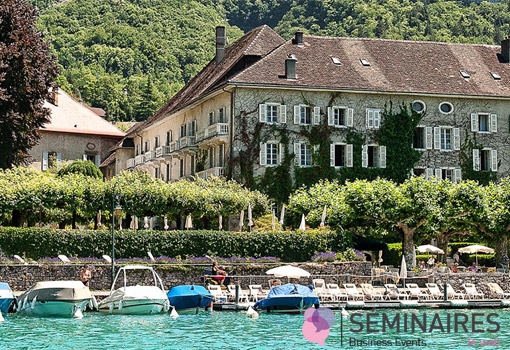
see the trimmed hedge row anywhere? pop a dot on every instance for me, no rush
(36, 243)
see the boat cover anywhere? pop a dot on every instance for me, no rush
(6, 297)
(58, 291)
(189, 296)
(289, 295)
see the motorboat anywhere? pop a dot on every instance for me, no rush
(288, 298)
(128, 297)
(7, 299)
(190, 298)
(55, 299)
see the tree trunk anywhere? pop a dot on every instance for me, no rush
(408, 245)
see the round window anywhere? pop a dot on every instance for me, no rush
(446, 107)
(418, 106)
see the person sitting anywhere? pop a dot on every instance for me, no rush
(220, 275)
(85, 275)
(473, 267)
(454, 268)
(431, 262)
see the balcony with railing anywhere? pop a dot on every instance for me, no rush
(130, 163)
(187, 141)
(148, 156)
(139, 159)
(216, 171)
(214, 130)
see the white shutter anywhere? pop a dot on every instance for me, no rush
(45, 161)
(429, 172)
(262, 154)
(296, 114)
(382, 156)
(262, 113)
(476, 159)
(370, 118)
(437, 138)
(377, 119)
(280, 153)
(316, 115)
(438, 173)
(494, 160)
(428, 138)
(297, 153)
(350, 117)
(474, 122)
(348, 153)
(331, 120)
(59, 159)
(84, 157)
(457, 175)
(456, 138)
(364, 156)
(283, 114)
(332, 154)
(494, 122)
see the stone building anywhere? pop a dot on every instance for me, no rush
(232, 115)
(76, 131)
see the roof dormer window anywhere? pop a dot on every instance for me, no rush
(336, 61)
(496, 76)
(465, 74)
(364, 62)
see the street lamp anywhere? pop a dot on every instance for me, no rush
(116, 210)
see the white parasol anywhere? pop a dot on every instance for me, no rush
(403, 269)
(189, 223)
(428, 248)
(288, 271)
(323, 218)
(241, 220)
(165, 221)
(282, 215)
(250, 217)
(475, 249)
(220, 223)
(302, 226)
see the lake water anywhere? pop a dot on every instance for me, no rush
(233, 330)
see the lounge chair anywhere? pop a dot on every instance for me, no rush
(353, 292)
(452, 293)
(217, 292)
(336, 292)
(241, 294)
(392, 292)
(416, 292)
(370, 292)
(471, 291)
(319, 286)
(434, 291)
(497, 292)
(256, 292)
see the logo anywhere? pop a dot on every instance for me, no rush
(317, 324)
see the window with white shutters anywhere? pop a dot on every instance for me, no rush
(373, 118)
(339, 116)
(272, 113)
(302, 115)
(484, 122)
(373, 156)
(269, 153)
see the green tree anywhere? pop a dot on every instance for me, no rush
(26, 72)
(83, 167)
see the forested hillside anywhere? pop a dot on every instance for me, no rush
(130, 56)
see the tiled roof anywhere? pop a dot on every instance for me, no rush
(258, 42)
(395, 66)
(70, 116)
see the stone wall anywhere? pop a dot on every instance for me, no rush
(21, 277)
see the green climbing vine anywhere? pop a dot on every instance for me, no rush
(466, 163)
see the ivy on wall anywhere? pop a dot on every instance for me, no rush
(466, 163)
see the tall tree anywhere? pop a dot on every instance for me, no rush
(26, 72)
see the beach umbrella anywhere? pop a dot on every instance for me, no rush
(250, 218)
(165, 221)
(120, 222)
(99, 218)
(288, 271)
(220, 223)
(403, 270)
(145, 222)
(323, 218)
(151, 223)
(428, 248)
(189, 223)
(135, 225)
(475, 249)
(241, 220)
(380, 257)
(282, 214)
(273, 221)
(302, 226)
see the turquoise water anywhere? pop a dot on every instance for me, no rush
(233, 330)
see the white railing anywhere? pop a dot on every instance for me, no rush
(217, 171)
(130, 163)
(159, 152)
(148, 156)
(217, 129)
(187, 141)
(139, 159)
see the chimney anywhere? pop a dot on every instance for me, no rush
(290, 67)
(221, 39)
(54, 94)
(505, 50)
(298, 38)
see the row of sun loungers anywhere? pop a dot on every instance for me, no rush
(365, 291)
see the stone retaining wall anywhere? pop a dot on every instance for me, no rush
(21, 277)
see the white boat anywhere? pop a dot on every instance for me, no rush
(55, 299)
(128, 298)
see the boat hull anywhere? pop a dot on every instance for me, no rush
(134, 307)
(64, 309)
(190, 298)
(5, 304)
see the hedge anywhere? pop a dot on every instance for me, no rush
(36, 243)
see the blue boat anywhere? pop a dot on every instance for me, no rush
(189, 298)
(288, 298)
(6, 298)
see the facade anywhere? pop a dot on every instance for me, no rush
(75, 132)
(233, 114)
